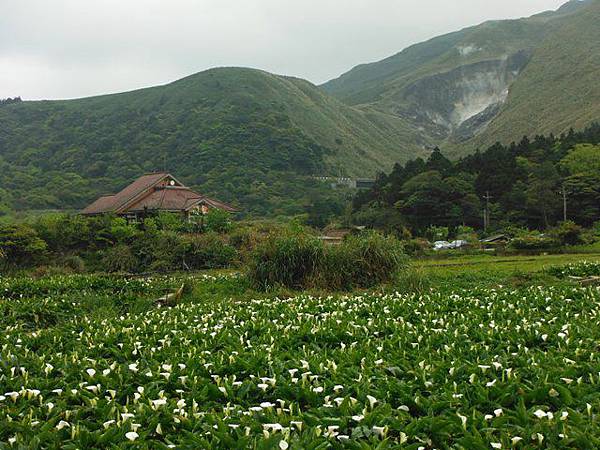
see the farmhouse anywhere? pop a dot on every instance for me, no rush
(155, 192)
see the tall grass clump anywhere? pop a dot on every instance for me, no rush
(299, 260)
(289, 258)
(361, 261)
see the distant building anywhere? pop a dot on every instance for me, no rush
(155, 192)
(352, 183)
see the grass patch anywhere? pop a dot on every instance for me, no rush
(298, 260)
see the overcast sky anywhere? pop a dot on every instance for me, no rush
(74, 48)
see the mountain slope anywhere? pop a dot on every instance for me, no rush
(559, 88)
(243, 135)
(451, 88)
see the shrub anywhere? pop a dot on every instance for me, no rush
(383, 218)
(119, 258)
(218, 221)
(533, 241)
(167, 221)
(50, 271)
(208, 251)
(413, 280)
(74, 263)
(364, 261)
(20, 245)
(159, 251)
(435, 233)
(416, 247)
(596, 229)
(300, 260)
(245, 240)
(568, 233)
(289, 259)
(63, 232)
(120, 231)
(463, 231)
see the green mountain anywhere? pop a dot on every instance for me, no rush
(245, 136)
(496, 81)
(259, 141)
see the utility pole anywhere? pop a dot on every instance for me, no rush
(486, 213)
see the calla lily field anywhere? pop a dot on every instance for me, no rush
(485, 367)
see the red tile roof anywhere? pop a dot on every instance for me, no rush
(157, 191)
(136, 189)
(217, 204)
(102, 205)
(167, 198)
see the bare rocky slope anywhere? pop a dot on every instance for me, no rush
(496, 81)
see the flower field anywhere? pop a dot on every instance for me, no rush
(579, 269)
(472, 369)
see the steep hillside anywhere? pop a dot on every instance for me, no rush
(558, 89)
(451, 88)
(244, 135)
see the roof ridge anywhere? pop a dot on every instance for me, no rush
(134, 196)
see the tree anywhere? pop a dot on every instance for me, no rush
(583, 195)
(542, 198)
(323, 209)
(423, 200)
(438, 162)
(20, 245)
(584, 158)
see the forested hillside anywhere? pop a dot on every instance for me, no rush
(524, 182)
(245, 136)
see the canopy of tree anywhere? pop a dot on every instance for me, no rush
(523, 182)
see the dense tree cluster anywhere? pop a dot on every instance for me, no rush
(161, 242)
(521, 184)
(243, 136)
(262, 163)
(9, 100)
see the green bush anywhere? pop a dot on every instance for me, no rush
(534, 241)
(50, 271)
(596, 229)
(299, 260)
(159, 251)
(208, 251)
(245, 240)
(20, 245)
(119, 258)
(218, 221)
(74, 263)
(568, 233)
(121, 231)
(63, 232)
(413, 280)
(362, 261)
(416, 247)
(435, 233)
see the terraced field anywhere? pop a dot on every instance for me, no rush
(92, 362)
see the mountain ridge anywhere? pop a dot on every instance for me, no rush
(392, 84)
